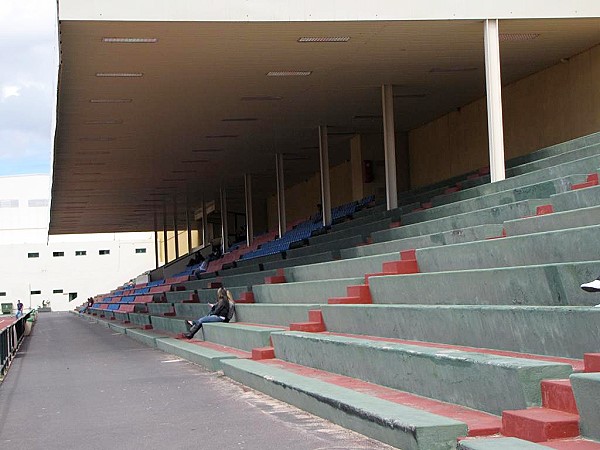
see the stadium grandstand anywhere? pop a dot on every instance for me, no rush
(402, 197)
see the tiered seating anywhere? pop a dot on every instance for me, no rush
(465, 319)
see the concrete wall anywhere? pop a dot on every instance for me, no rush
(551, 106)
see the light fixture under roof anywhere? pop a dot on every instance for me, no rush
(261, 98)
(289, 73)
(111, 100)
(103, 122)
(240, 119)
(119, 74)
(452, 69)
(129, 40)
(509, 37)
(221, 136)
(97, 138)
(194, 161)
(324, 39)
(369, 116)
(207, 150)
(409, 95)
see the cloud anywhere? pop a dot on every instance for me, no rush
(28, 45)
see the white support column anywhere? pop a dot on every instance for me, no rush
(494, 99)
(249, 220)
(224, 227)
(204, 224)
(324, 166)
(165, 235)
(188, 225)
(155, 241)
(175, 229)
(389, 146)
(280, 193)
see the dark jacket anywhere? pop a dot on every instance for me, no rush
(221, 308)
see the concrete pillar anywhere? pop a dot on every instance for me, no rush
(165, 236)
(324, 165)
(204, 224)
(155, 241)
(175, 229)
(249, 221)
(280, 193)
(494, 99)
(389, 146)
(224, 227)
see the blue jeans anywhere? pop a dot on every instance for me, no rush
(19, 314)
(208, 319)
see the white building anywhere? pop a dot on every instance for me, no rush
(62, 269)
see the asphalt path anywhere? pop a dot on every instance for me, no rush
(79, 385)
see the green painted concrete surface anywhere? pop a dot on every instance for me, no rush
(145, 337)
(304, 292)
(499, 444)
(243, 337)
(397, 425)
(586, 387)
(206, 357)
(273, 314)
(482, 381)
(552, 222)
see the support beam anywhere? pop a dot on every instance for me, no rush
(165, 236)
(188, 225)
(204, 223)
(324, 166)
(389, 146)
(224, 226)
(280, 193)
(494, 99)
(175, 229)
(155, 241)
(249, 219)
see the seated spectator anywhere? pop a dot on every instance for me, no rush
(86, 308)
(219, 312)
(195, 260)
(200, 270)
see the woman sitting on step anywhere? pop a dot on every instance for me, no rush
(219, 312)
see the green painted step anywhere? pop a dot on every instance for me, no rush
(534, 285)
(148, 338)
(579, 198)
(554, 331)
(158, 309)
(571, 245)
(397, 425)
(237, 335)
(206, 357)
(481, 381)
(586, 387)
(139, 319)
(304, 292)
(273, 314)
(552, 222)
(458, 236)
(496, 214)
(310, 258)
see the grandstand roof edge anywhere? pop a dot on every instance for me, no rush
(318, 11)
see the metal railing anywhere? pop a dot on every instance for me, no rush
(10, 339)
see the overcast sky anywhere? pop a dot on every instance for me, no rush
(28, 70)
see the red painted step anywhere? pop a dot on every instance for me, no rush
(214, 285)
(591, 362)
(539, 424)
(193, 298)
(308, 327)
(592, 180)
(348, 301)
(558, 395)
(406, 255)
(359, 290)
(544, 209)
(247, 297)
(263, 353)
(275, 279)
(400, 267)
(394, 224)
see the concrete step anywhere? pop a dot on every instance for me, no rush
(579, 198)
(566, 332)
(539, 424)
(238, 335)
(586, 387)
(334, 246)
(140, 320)
(581, 162)
(401, 426)
(592, 362)
(273, 314)
(205, 354)
(344, 268)
(146, 337)
(558, 395)
(458, 236)
(535, 285)
(309, 258)
(497, 215)
(552, 222)
(556, 160)
(307, 292)
(160, 309)
(191, 310)
(248, 279)
(571, 245)
(363, 230)
(481, 381)
(535, 191)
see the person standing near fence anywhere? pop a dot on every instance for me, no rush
(19, 309)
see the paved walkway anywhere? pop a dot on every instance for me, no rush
(77, 385)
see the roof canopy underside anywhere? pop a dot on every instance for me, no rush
(201, 111)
